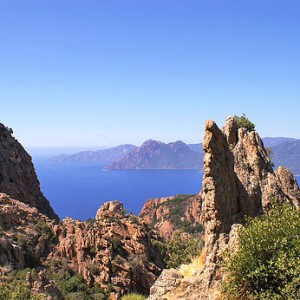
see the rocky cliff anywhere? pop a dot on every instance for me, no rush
(238, 181)
(157, 155)
(170, 214)
(17, 175)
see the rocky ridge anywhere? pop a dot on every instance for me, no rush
(238, 181)
(114, 249)
(17, 175)
(170, 214)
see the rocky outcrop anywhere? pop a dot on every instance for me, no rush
(157, 155)
(110, 206)
(170, 214)
(114, 250)
(25, 234)
(17, 175)
(42, 285)
(289, 184)
(238, 181)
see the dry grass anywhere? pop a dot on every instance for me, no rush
(196, 264)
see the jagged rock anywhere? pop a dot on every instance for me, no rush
(115, 250)
(22, 236)
(170, 214)
(168, 281)
(289, 184)
(42, 285)
(17, 175)
(110, 206)
(238, 181)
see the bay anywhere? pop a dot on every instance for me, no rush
(78, 189)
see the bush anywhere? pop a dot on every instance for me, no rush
(133, 296)
(181, 249)
(266, 265)
(75, 284)
(244, 122)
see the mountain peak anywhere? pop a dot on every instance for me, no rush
(158, 155)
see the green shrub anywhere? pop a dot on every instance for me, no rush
(266, 265)
(8, 292)
(244, 122)
(134, 296)
(77, 296)
(180, 249)
(75, 284)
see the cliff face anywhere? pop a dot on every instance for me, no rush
(238, 181)
(158, 155)
(17, 175)
(169, 214)
(25, 234)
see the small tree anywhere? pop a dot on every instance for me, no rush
(244, 122)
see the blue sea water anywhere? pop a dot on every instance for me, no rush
(78, 189)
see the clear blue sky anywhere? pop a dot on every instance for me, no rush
(107, 72)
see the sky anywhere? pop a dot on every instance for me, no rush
(99, 73)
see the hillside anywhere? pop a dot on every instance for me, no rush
(158, 155)
(287, 154)
(105, 156)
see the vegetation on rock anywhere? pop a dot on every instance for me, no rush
(134, 296)
(244, 122)
(266, 264)
(181, 249)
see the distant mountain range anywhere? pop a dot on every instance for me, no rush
(178, 155)
(157, 155)
(105, 156)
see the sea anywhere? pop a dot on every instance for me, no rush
(78, 189)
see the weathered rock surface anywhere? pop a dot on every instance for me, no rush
(24, 234)
(113, 250)
(289, 184)
(169, 214)
(17, 175)
(238, 181)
